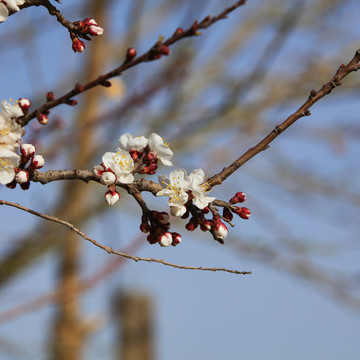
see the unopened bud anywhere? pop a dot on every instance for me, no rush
(50, 96)
(206, 225)
(27, 150)
(98, 170)
(191, 225)
(24, 104)
(78, 45)
(37, 162)
(22, 177)
(165, 239)
(42, 119)
(164, 50)
(95, 30)
(112, 197)
(219, 230)
(130, 54)
(25, 186)
(176, 239)
(107, 178)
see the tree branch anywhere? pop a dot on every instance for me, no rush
(110, 250)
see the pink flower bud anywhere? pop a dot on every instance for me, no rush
(78, 45)
(205, 210)
(24, 104)
(244, 213)
(151, 157)
(50, 96)
(112, 197)
(130, 54)
(219, 230)
(27, 150)
(206, 225)
(107, 178)
(191, 225)
(42, 119)
(37, 162)
(151, 238)
(165, 239)
(22, 177)
(238, 198)
(95, 30)
(98, 170)
(164, 50)
(25, 186)
(176, 239)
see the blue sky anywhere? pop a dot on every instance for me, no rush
(269, 314)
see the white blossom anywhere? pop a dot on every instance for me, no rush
(5, 5)
(175, 187)
(199, 187)
(128, 142)
(121, 165)
(9, 160)
(160, 149)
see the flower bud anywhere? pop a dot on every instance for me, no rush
(27, 150)
(176, 239)
(95, 30)
(178, 210)
(78, 45)
(24, 104)
(238, 198)
(130, 54)
(165, 239)
(42, 119)
(206, 225)
(164, 50)
(219, 230)
(112, 197)
(22, 177)
(98, 170)
(205, 210)
(191, 225)
(244, 213)
(151, 157)
(50, 96)
(107, 178)
(37, 162)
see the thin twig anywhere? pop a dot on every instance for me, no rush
(150, 55)
(111, 250)
(314, 96)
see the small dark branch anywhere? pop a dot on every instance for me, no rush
(343, 71)
(111, 250)
(150, 55)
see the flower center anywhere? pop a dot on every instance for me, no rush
(123, 161)
(175, 187)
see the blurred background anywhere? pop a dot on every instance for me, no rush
(212, 98)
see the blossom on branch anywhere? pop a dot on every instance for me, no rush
(160, 149)
(128, 142)
(199, 187)
(9, 160)
(175, 187)
(121, 164)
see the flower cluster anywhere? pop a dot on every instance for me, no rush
(85, 28)
(133, 155)
(187, 193)
(29, 162)
(6, 5)
(10, 137)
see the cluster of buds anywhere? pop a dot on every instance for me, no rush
(84, 29)
(157, 225)
(108, 178)
(28, 164)
(215, 226)
(149, 160)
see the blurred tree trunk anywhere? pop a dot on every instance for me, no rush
(133, 313)
(70, 331)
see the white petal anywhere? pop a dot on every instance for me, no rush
(4, 12)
